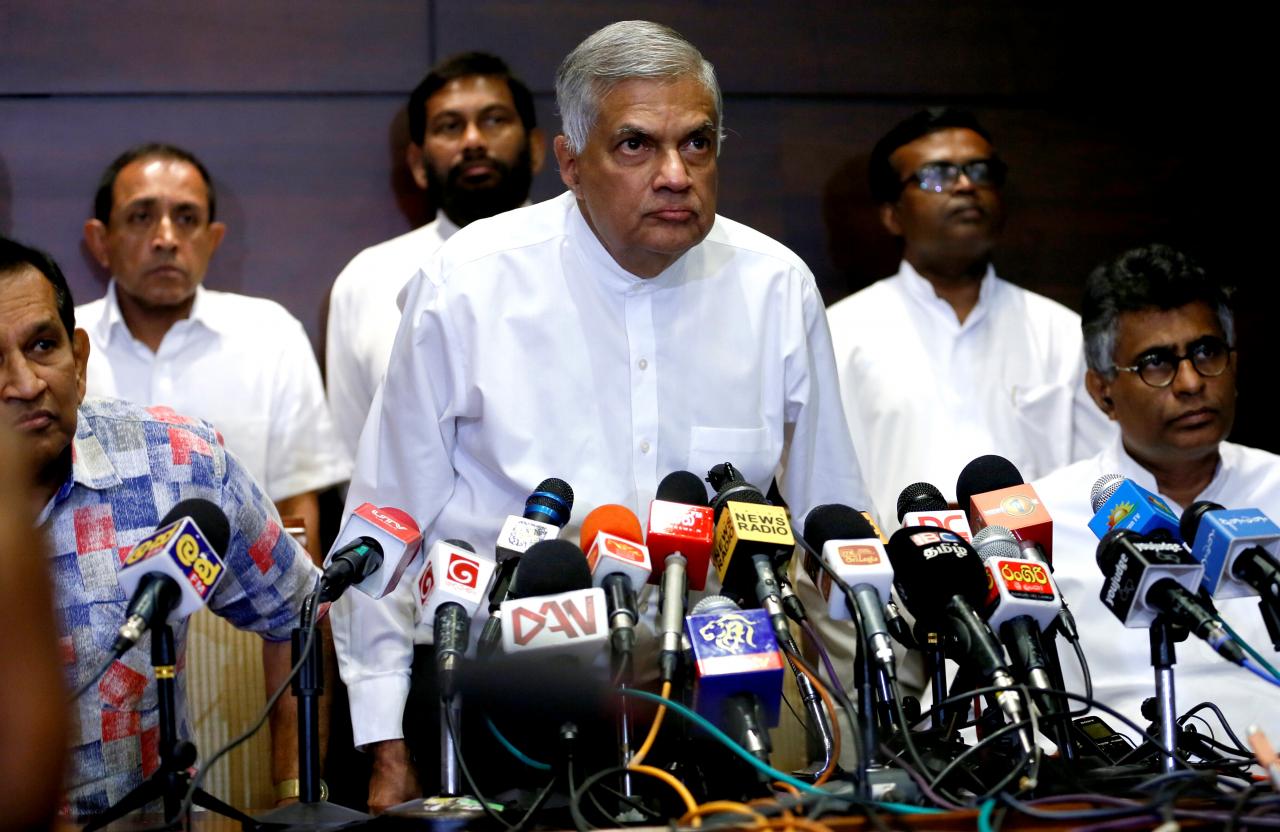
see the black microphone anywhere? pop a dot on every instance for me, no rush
(920, 496)
(348, 566)
(546, 511)
(1146, 577)
(451, 629)
(941, 580)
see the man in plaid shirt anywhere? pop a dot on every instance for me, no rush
(107, 472)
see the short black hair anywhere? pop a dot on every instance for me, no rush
(885, 182)
(14, 256)
(466, 65)
(104, 196)
(1149, 277)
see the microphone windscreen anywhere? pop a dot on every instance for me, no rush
(682, 487)
(1102, 490)
(931, 565)
(208, 516)
(549, 568)
(1190, 522)
(835, 522)
(920, 496)
(614, 519)
(996, 542)
(986, 473)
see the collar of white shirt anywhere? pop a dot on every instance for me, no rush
(1115, 459)
(613, 276)
(205, 311)
(918, 288)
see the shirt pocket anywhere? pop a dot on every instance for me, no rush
(1043, 415)
(751, 450)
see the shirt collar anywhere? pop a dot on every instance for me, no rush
(918, 288)
(612, 275)
(204, 310)
(1116, 460)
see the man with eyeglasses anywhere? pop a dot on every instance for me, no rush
(945, 361)
(1159, 336)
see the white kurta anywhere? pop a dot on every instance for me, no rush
(526, 352)
(925, 394)
(1120, 658)
(363, 318)
(242, 364)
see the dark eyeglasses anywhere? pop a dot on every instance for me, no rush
(1210, 356)
(941, 176)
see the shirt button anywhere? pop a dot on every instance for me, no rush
(644, 447)
(643, 363)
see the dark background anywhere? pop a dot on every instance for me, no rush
(1112, 117)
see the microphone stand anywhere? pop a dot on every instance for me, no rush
(311, 810)
(1163, 636)
(172, 779)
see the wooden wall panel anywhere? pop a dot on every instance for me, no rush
(230, 46)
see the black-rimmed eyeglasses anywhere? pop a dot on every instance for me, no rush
(941, 176)
(1158, 368)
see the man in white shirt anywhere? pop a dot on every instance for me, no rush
(474, 148)
(1158, 335)
(243, 364)
(608, 336)
(945, 361)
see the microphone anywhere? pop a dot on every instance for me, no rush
(1238, 548)
(554, 610)
(1120, 503)
(171, 573)
(1146, 576)
(922, 504)
(373, 569)
(681, 526)
(450, 591)
(993, 493)
(849, 545)
(941, 580)
(1021, 603)
(618, 561)
(546, 511)
(738, 685)
(749, 533)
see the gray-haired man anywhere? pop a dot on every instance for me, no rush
(608, 336)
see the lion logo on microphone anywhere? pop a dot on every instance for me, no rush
(730, 632)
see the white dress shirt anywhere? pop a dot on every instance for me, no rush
(525, 351)
(242, 364)
(363, 318)
(925, 394)
(1120, 658)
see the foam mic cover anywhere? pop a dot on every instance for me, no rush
(1120, 503)
(986, 473)
(1239, 549)
(681, 522)
(612, 539)
(848, 544)
(920, 496)
(994, 494)
(181, 562)
(395, 532)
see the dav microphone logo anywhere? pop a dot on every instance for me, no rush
(567, 618)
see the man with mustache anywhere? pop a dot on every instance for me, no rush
(474, 150)
(608, 336)
(945, 361)
(1159, 336)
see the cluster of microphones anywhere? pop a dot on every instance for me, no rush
(972, 584)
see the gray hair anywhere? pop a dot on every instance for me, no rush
(1151, 277)
(620, 52)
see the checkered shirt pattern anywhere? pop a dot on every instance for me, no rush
(130, 466)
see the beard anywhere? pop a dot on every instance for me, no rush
(464, 204)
